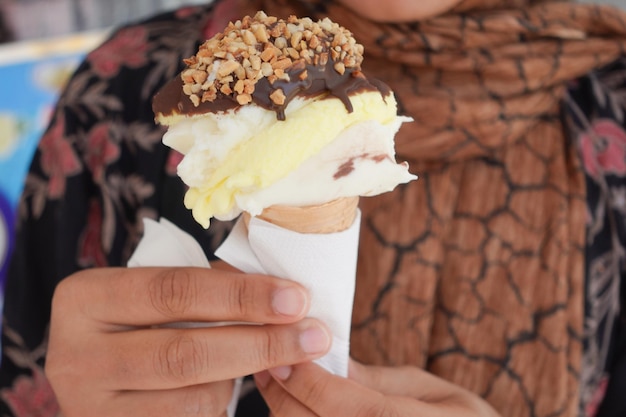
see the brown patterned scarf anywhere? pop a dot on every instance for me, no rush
(475, 271)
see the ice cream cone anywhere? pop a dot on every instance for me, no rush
(334, 216)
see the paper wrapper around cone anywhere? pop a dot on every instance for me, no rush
(315, 246)
(334, 216)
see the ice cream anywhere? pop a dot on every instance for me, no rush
(272, 112)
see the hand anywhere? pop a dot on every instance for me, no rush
(307, 390)
(109, 354)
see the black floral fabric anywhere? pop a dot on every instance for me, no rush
(595, 117)
(101, 168)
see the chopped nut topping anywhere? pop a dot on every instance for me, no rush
(282, 64)
(225, 89)
(244, 99)
(268, 54)
(209, 95)
(199, 76)
(280, 42)
(340, 67)
(253, 48)
(267, 69)
(239, 87)
(278, 97)
(248, 37)
(226, 68)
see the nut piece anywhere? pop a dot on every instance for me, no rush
(278, 97)
(227, 68)
(340, 67)
(268, 54)
(243, 99)
(267, 69)
(283, 64)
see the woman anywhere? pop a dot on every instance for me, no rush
(478, 272)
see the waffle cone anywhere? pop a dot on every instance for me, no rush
(332, 217)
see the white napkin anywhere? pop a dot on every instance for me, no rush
(164, 244)
(324, 263)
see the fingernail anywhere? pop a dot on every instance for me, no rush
(281, 372)
(289, 301)
(262, 378)
(314, 340)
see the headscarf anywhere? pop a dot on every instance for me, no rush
(476, 270)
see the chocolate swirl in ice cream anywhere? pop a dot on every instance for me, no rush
(268, 61)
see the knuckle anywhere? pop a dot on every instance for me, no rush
(65, 293)
(181, 358)
(319, 388)
(382, 408)
(271, 349)
(172, 292)
(241, 297)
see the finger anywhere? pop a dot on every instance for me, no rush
(199, 400)
(147, 296)
(411, 382)
(329, 395)
(404, 381)
(169, 358)
(280, 403)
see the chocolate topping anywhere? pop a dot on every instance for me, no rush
(268, 62)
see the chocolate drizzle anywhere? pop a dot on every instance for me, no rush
(320, 81)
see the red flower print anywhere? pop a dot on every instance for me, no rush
(603, 148)
(224, 12)
(58, 160)
(90, 245)
(591, 409)
(100, 150)
(31, 397)
(128, 47)
(173, 160)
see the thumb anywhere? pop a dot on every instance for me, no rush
(399, 381)
(373, 377)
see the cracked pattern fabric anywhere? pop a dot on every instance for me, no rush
(476, 271)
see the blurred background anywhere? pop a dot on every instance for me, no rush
(41, 42)
(32, 19)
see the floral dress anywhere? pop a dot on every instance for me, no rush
(100, 168)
